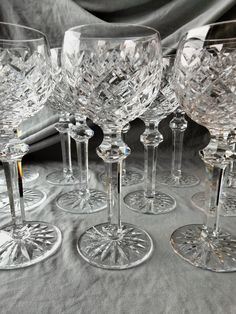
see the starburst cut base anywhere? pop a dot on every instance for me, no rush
(76, 202)
(228, 200)
(58, 178)
(131, 177)
(27, 244)
(32, 199)
(207, 252)
(186, 180)
(107, 246)
(162, 203)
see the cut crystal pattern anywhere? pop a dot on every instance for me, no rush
(32, 199)
(204, 250)
(107, 246)
(25, 83)
(207, 86)
(166, 101)
(186, 179)
(79, 202)
(161, 203)
(27, 244)
(114, 85)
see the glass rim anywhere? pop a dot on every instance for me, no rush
(155, 32)
(186, 38)
(23, 27)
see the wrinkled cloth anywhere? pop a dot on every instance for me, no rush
(53, 17)
(164, 284)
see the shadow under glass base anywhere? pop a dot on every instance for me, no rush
(58, 178)
(186, 179)
(228, 207)
(32, 199)
(203, 250)
(27, 244)
(107, 246)
(161, 203)
(130, 177)
(78, 202)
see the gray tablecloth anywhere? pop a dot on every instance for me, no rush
(66, 284)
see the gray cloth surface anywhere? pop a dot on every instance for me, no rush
(165, 284)
(54, 17)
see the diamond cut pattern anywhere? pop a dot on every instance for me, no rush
(114, 85)
(24, 84)
(206, 85)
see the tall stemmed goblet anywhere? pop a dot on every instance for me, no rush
(61, 94)
(206, 88)
(82, 199)
(25, 84)
(114, 71)
(149, 200)
(176, 177)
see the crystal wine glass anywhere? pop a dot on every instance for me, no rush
(81, 200)
(66, 176)
(149, 200)
(114, 71)
(177, 177)
(206, 88)
(25, 82)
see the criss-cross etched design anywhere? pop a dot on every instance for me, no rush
(24, 84)
(115, 85)
(166, 102)
(208, 94)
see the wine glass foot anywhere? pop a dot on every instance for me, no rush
(107, 246)
(186, 180)
(131, 176)
(59, 178)
(78, 202)
(203, 250)
(161, 203)
(228, 203)
(32, 199)
(29, 175)
(27, 244)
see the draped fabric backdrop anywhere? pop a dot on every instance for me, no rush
(172, 18)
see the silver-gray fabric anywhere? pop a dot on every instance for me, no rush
(165, 284)
(54, 17)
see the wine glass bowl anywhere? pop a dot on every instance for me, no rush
(25, 84)
(114, 71)
(205, 72)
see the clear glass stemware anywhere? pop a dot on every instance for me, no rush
(206, 88)
(82, 199)
(25, 81)
(150, 200)
(114, 71)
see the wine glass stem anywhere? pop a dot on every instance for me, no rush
(82, 158)
(178, 126)
(151, 139)
(150, 161)
(13, 174)
(216, 176)
(66, 153)
(216, 163)
(113, 151)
